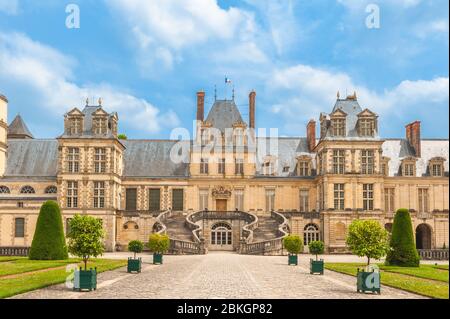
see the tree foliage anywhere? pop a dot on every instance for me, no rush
(48, 240)
(293, 244)
(367, 238)
(85, 237)
(316, 248)
(122, 136)
(403, 249)
(159, 243)
(135, 246)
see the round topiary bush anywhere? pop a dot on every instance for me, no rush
(159, 243)
(316, 248)
(135, 246)
(293, 244)
(403, 250)
(48, 241)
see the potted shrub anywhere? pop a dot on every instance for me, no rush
(366, 238)
(85, 240)
(316, 248)
(158, 244)
(135, 264)
(294, 245)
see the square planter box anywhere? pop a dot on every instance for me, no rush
(316, 266)
(134, 264)
(157, 258)
(85, 280)
(368, 281)
(292, 260)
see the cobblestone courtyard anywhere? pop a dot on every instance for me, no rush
(221, 275)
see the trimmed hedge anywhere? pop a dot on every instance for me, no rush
(48, 241)
(293, 244)
(403, 248)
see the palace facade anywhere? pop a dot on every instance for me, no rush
(228, 188)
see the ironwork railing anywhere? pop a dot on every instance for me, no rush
(433, 254)
(14, 251)
(268, 246)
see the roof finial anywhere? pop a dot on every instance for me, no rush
(354, 95)
(215, 92)
(100, 101)
(87, 101)
(233, 94)
(338, 95)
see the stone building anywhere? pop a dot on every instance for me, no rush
(228, 188)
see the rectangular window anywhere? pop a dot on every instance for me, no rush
(304, 200)
(221, 166)
(100, 125)
(204, 166)
(72, 194)
(19, 227)
(270, 200)
(73, 158)
(239, 136)
(389, 197)
(321, 197)
(338, 161)
(436, 170)
(423, 200)
(204, 137)
(239, 166)
(177, 199)
(408, 169)
(339, 196)
(131, 199)
(367, 196)
(203, 199)
(75, 128)
(384, 169)
(100, 160)
(303, 169)
(367, 162)
(366, 127)
(154, 199)
(239, 199)
(339, 127)
(68, 220)
(99, 194)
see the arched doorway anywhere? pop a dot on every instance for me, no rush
(423, 236)
(221, 237)
(310, 233)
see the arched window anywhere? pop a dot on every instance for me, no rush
(310, 233)
(27, 190)
(51, 190)
(4, 190)
(221, 234)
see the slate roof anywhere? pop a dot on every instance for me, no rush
(18, 129)
(152, 158)
(224, 114)
(32, 158)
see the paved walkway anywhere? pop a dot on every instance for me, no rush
(220, 275)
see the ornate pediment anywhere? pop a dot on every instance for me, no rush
(221, 192)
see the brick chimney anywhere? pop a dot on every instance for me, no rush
(200, 105)
(251, 108)
(413, 136)
(311, 134)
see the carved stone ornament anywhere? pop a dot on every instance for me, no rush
(221, 192)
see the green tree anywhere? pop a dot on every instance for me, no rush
(159, 243)
(316, 248)
(403, 249)
(85, 237)
(122, 137)
(367, 238)
(293, 244)
(48, 240)
(135, 246)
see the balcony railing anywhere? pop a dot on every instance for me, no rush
(433, 254)
(14, 251)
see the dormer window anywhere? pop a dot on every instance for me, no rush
(338, 126)
(384, 166)
(269, 165)
(239, 137)
(100, 125)
(366, 127)
(436, 166)
(409, 167)
(75, 126)
(285, 169)
(304, 166)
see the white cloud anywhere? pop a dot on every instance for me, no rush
(307, 91)
(432, 28)
(9, 6)
(44, 71)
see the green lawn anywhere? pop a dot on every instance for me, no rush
(8, 258)
(426, 280)
(22, 265)
(31, 281)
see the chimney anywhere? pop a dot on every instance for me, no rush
(200, 105)
(251, 106)
(413, 136)
(311, 134)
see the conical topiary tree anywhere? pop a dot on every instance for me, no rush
(403, 249)
(48, 241)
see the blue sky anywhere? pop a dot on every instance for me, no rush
(147, 59)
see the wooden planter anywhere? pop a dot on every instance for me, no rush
(85, 280)
(134, 264)
(316, 266)
(368, 281)
(292, 260)
(157, 258)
